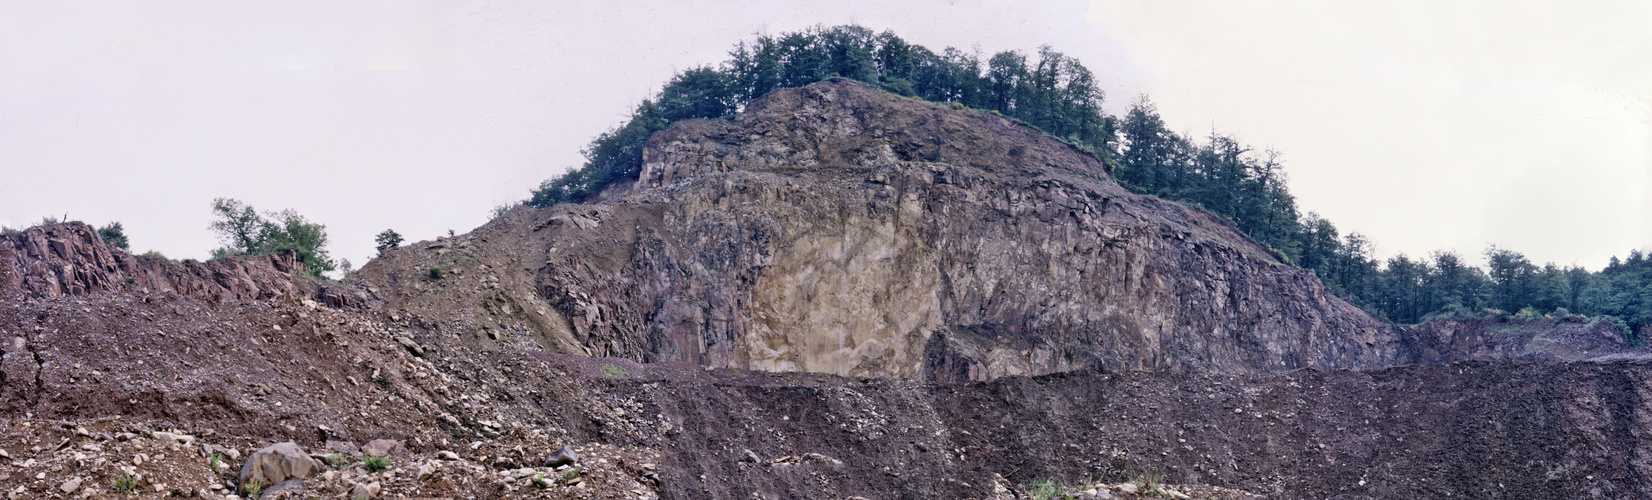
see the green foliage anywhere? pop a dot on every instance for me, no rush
(255, 488)
(337, 461)
(114, 235)
(387, 240)
(376, 464)
(216, 462)
(345, 267)
(612, 371)
(244, 231)
(501, 210)
(570, 474)
(1054, 93)
(49, 220)
(435, 272)
(125, 484)
(154, 254)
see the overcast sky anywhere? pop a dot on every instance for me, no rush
(1424, 125)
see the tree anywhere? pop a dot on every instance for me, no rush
(387, 240)
(114, 235)
(244, 231)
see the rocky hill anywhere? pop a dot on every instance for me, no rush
(839, 229)
(839, 293)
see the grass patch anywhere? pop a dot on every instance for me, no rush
(612, 371)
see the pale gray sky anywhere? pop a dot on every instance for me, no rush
(1425, 125)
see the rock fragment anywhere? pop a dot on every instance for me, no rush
(383, 448)
(276, 463)
(564, 456)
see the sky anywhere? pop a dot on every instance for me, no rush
(1422, 125)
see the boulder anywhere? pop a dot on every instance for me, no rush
(276, 463)
(383, 448)
(564, 456)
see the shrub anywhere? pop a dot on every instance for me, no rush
(337, 461)
(612, 371)
(387, 240)
(126, 484)
(114, 235)
(376, 464)
(244, 231)
(435, 272)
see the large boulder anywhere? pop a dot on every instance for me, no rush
(276, 463)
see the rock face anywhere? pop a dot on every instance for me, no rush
(1501, 339)
(843, 230)
(69, 259)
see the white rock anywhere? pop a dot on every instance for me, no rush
(70, 486)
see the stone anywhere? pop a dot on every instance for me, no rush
(364, 490)
(169, 437)
(564, 456)
(276, 463)
(1127, 487)
(447, 455)
(345, 447)
(424, 470)
(750, 456)
(383, 448)
(70, 486)
(230, 453)
(290, 486)
(411, 346)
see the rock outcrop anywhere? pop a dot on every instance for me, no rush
(843, 230)
(1570, 338)
(69, 259)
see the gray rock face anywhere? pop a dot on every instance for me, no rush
(842, 230)
(276, 463)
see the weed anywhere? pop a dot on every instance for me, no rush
(337, 461)
(376, 464)
(540, 481)
(126, 484)
(435, 272)
(612, 371)
(1047, 490)
(216, 462)
(569, 475)
(255, 488)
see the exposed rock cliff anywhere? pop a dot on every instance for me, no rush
(843, 230)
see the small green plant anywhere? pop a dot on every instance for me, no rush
(376, 464)
(1047, 490)
(1149, 481)
(126, 484)
(216, 462)
(337, 461)
(612, 371)
(569, 475)
(255, 488)
(540, 481)
(435, 272)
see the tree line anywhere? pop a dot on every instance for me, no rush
(1058, 95)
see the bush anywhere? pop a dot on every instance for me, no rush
(612, 371)
(114, 235)
(387, 240)
(435, 272)
(126, 484)
(245, 232)
(376, 464)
